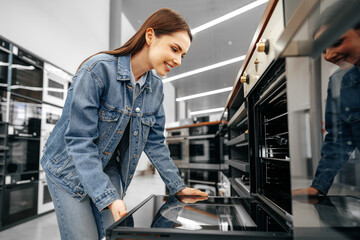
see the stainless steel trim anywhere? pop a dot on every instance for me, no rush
(5, 50)
(305, 8)
(287, 216)
(347, 16)
(207, 166)
(270, 88)
(201, 136)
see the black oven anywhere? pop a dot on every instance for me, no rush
(178, 144)
(27, 74)
(20, 201)
(204, 146)
(269, 138)
(24, 138)
(180, 217)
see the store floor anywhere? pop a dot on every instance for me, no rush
(45, 227)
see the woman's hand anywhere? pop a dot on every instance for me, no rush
(310, 191)
(192, 192)
(195, 195)
(118, 209)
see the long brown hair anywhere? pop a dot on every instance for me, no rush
(163, 21)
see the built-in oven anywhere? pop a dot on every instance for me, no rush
(4, 66)
(55, 85)
(178, 144)
(181, 217)
(204, 146)
(27, 74)
(20, 201)
(269, 137)
(24, 133)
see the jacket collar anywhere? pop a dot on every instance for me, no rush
(124, 71)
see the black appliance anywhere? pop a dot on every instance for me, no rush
(204, 147)
(178, 144)
(182, 217)
(269, 144)
(179, 217)
(20, 201)
(24, 138)
(27, 74)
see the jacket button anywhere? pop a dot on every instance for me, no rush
(130, 176)
(128, 108)
(136, 133)
(134, 155)
(137, 109)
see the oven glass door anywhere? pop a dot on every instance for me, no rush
(24, 136)
(55, 85)
(27, 79)
(204, 150)
(178, 147)
(194, 216)
(20, 202)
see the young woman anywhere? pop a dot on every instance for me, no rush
(112, 114)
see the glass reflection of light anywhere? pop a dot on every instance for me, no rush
(190, 224)
(17, 66)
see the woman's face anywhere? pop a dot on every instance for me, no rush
(345, 51)
(166, 51)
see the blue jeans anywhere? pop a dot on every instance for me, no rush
(80, 220)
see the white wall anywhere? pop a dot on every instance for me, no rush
(64, 32)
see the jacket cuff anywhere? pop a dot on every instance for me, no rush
(176, 186)
(323, 187)
(104, 200)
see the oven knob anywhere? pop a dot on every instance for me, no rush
(245, 79)
(263, 46)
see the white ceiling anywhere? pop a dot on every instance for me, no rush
(221, 42)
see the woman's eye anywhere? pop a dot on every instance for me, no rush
(174, 49)
(338, 42)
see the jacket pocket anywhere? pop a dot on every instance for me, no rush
(108, 113)
(108, 118)
(147, 123)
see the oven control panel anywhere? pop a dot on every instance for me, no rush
(264, 53)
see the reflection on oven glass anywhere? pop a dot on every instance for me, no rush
(21, 200)
(341, 73)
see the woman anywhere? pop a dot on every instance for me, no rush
(112, 113)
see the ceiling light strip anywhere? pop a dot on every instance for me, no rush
(203, 94)
(203, 69)
(207, 111)
(228, 16)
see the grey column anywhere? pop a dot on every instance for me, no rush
(115, 24)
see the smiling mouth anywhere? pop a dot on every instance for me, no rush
(168, 67)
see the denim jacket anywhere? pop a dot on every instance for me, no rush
(342, 123)
(97, 110)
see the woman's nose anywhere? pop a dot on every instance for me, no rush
(177, 61)
(329, 55)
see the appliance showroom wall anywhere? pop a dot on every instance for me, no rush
(63, 32)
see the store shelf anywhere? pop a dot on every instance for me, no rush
(238, 116)
(239, 139)
(243, 166)
(241, 189)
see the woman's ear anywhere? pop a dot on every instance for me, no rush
(149, 35)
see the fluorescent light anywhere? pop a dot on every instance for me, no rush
(203, 69)
(228, 16)
(203, 94)
(207, 111)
